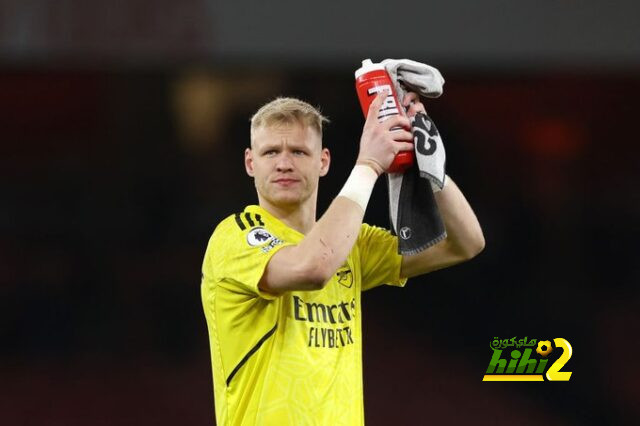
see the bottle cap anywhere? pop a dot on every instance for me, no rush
(367, 66)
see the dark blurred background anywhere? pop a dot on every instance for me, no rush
(122, 128)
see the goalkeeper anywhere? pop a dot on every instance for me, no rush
(281, 289)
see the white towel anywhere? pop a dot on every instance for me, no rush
(425, 80)
(414, 213)
(416, 76)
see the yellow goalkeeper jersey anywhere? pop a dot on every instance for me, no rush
(294, 359)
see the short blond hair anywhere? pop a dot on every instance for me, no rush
(288, 111)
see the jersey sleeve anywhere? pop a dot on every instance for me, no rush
(379, 258)
(236, 259)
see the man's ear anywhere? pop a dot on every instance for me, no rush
(248, 161)
(325, 158)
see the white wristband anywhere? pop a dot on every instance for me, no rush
(359, 185)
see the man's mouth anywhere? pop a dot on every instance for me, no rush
(286, 181)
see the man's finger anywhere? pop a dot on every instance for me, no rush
(402, 136)
(409, 97)
(404, 146)
(374, 108)
(415, 108)
(397, 121)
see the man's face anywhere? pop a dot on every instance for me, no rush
(286, 162)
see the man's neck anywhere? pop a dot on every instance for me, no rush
(299, 217)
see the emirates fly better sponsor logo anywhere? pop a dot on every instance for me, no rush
(330, 326)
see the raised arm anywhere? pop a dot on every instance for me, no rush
(464, 235)
(310, 264)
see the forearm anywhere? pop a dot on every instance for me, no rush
(464, 234)
(331, 239)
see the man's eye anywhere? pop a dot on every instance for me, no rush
(299, 153)
(270, 153)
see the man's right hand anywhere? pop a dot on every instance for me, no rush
(379, 145)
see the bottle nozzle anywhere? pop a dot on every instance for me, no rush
(368, 65)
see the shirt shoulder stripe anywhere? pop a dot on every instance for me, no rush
(239, 222)
(247, 216)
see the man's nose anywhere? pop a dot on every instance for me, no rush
(284, 162)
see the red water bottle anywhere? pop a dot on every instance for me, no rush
(371, 79)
